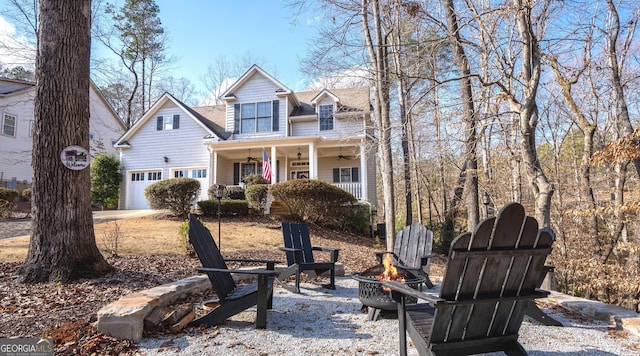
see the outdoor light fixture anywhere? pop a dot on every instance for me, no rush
(299, 154)
(166, 159)
(219, 191)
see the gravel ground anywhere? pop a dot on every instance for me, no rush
(322, 322)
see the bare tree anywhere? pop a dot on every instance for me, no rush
(139, 41)
(62, 245)
(469, 114)
(222, 72)
(376, 44)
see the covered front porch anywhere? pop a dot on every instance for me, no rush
(343, 163)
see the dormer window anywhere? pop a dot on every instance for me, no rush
(325, 113)
(256, 117)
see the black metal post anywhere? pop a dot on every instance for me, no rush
(219, 191)
(219, 199)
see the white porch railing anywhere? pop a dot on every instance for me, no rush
(353, 188)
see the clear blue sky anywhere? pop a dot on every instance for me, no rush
(201, 30)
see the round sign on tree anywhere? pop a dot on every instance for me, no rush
(75, 158)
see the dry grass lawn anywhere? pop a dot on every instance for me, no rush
(161, 235)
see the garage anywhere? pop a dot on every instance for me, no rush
(136, 184)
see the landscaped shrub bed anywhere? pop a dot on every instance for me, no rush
(319, 202)
(228, 207)
(175, 194)
(8, 198)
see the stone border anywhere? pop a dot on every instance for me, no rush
(624, 319)
(124, 318)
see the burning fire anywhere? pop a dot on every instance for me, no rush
(390, 271)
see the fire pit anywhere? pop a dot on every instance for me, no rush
(374, 296)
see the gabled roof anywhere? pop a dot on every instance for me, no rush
(211, 127)
(9, 87)
(323, 93)
(348, 100)
(229, 96)
(13, 86)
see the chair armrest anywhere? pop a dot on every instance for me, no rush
(289, 249)
(270, 263)
(297, 253)
(333, 251)
(425, 259)
(379, 255)
(267, 272)
(399, 289)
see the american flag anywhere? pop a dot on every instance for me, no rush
(266, 167)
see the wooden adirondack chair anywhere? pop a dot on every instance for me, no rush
(232, 298)
(490, 278)
(412, 250)
(299, 253)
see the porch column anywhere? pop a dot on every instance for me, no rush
(313, 162)
(274, 165)
(363, 174)
(213, 164)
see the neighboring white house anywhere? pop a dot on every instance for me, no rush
(324, 134)
(16, 139)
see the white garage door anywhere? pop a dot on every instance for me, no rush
(136, 183)
(199, 174)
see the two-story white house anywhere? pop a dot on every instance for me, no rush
(17, 100)
(323, 134)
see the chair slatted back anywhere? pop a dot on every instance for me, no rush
(296, 235)
(210, 257)
(503, 258)
(413, 243)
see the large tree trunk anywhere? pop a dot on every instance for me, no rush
(378, 56)
(528, 110)
(62, 245)
(466, 94)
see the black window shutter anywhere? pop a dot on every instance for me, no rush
(336, 175)
(176, 122)
(236, 173)
(276, 115)
(277, 170)
(236, 120)
(159, 123)
(354, 174)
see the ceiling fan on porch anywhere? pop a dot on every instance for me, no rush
(249, 158)
(341, 156)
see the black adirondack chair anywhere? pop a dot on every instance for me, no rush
(232, 298)
(490, 279)
(300, 259)
(412, 250)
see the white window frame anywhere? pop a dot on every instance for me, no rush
(299, 174)
(138, 176)
(167, 122)
(350, 169)
(256, 118)
(324, 121)
(4, 123)
(154, 175)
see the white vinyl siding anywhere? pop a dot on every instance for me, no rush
(258, 90)
(183, 148)
(15, 160)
